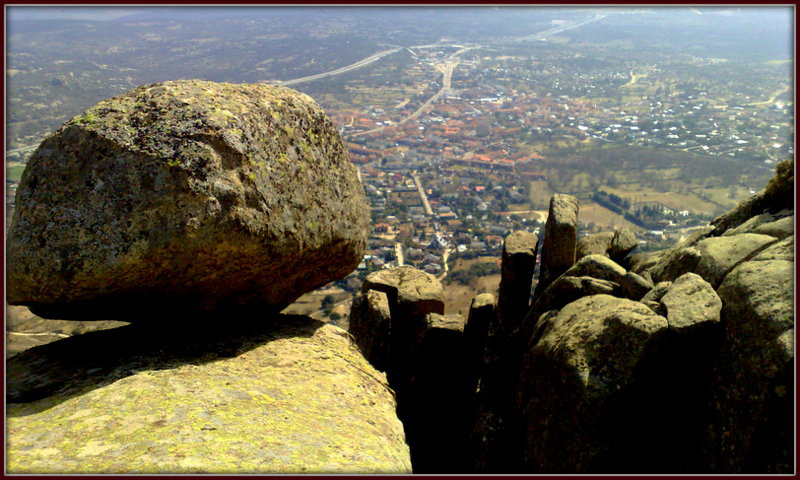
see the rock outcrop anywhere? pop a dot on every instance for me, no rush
(778, 195)
(426, 359)
(615, 245)
(371, 326)
(593, 244)
(718, 255)
(752, 425)
(436, 426)
(586, 358)
(560, 240)
(612, 374)
(517, 265)
(292, 396)
(482, 316)
(192, 195)
(412, 293)
(691, 303)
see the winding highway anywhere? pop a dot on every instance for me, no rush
(447, 77)
(563, 28)
(358, 64)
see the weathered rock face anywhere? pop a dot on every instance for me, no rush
(193, 195)
(564, 290)
(593, 244)
(482, 316)
(586, 357)
(623, 243)
(371, 326)
(412, 295)
(615, 245)
(783, 250)
(597, 266)
(686, 380)
(675, 263)
(752, 427)
(560, 240)
(634, 286)
(718, 255)
(691, 303)
(412, 292)
(425, 357)
(777, 195)
(657, 292)
(642, 261)
(779, 225)
(294, 396)
(518, 263)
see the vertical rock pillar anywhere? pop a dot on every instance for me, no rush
(560, 240)
(518, 262)
(476, 333)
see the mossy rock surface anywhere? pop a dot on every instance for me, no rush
(294, 397)
(196, 195)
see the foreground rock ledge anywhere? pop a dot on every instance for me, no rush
(191, 195)
(295, 396)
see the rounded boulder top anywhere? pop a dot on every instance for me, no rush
(197, 195)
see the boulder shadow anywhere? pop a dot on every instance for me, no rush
(45, 376)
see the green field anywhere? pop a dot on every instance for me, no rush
(14, 172)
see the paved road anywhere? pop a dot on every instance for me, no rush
(398, 252)
(447, 76)
(770, 100)
(570, 26)
(22, 149)
(422, 195)
(358, 64)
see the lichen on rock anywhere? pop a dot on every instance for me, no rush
(292, 395)
(193, 194)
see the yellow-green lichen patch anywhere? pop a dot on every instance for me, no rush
(290, 405)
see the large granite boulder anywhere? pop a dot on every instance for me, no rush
(674, 263)
(778, 224)
(190, 195)
(752, 427)
(560, 240)
(623, 243)
(566, 289)
(691, 304)
(291, 395)
(718, 255)
(615, 245)
(597, 266)
(575, 381)
(593, 244)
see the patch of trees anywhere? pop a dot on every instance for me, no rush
(464, 277)
(611, 201)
